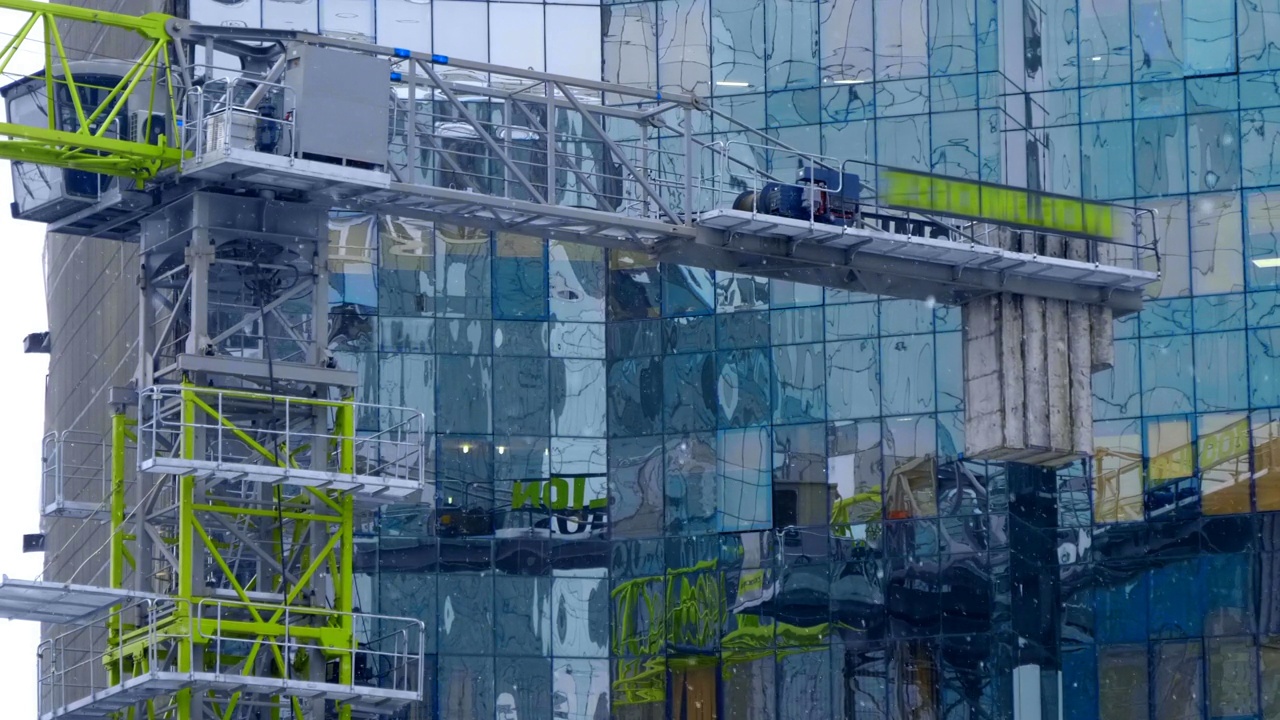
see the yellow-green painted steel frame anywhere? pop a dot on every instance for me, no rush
(86, 146)
(186, 633)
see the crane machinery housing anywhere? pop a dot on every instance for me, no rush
(239, 455)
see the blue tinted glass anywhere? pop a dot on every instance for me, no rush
(519, 277)
(1107, 160)
(1220, 364)
(1214, 146)
(742, 384)
(1219, 312)
(1264, 359)
(799, 376)
(690, 392)
(1167, 375)
(743, 467)
(1210, 37)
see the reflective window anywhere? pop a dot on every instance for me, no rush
(1217, 263)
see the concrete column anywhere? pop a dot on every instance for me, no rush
(1029, 365)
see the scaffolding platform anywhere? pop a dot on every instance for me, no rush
(59, 603)
(376, 489)
(152, 685)
(278, 439)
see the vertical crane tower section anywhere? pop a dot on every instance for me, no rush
(239, 457)
(238, 460)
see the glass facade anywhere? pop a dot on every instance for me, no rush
(662, 491)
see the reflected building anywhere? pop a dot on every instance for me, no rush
(667, 492)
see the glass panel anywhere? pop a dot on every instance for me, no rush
(910, 447)
(901, 39)
(630, 44)
(406, 273)
(1217, 262)
(466, 688)
(400, 23)
(743, 387)
(855, 472)
(1263, 236)
(1161, 156)
(1269, 670)
(1122, 681)
(581, 689)
(635, 397)
(578, 397)
(744, 466)
(1104, 43)
(519, 276)
(952, 43)
(347, 19)
(799, 383)
(1117, 472)
(466, 614)
(684, 62)
(516, 36)
(846, 40)
(523, 615)
(853, 387)
(1265, 434)
(1179, 677)
(791, 37)
(1258, 35)
(906, 367)
(1213, 143)
(464, 385)
(353, 249)
(1264, 381)
(520, 388)
(1210, 33)
(1222, 450)
(1107, 160)
(576, 54)
(522, 688)
(691, 484)
(748, 686)
(1220, 364)
(459, 28)
(303, 16)
(580, 617)
(1157, 39)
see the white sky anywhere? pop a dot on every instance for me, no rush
(22, 311)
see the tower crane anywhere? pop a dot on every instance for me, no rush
(239, 454)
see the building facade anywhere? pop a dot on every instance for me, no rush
(661, 491)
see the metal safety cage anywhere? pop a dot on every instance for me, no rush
(75, 482)
(239, 436)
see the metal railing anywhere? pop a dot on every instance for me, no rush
(228, 114)
(74, 475)
(144, 637)
(384, 651)
(241, 432)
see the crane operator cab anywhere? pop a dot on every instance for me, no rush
(46, 194)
